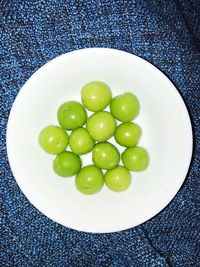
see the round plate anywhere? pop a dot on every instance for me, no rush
(167, 135)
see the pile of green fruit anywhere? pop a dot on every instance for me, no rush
(100, 126)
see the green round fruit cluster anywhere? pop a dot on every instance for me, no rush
(100, 126)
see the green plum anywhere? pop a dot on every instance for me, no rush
(125, 107)
(80, 141)
(135, 158)
(96, 95)
(105, 156)
(128, 134)
(53, 139)
(67, 164)
(89, 180)
(71, 115)
(118, 179)
(101, 126)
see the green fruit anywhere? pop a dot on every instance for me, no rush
(80, 141)
(67, 164)
(53, 139)
(101, 126)
(128, 134)
(89, 180)
(125, 107)
(96, 96)
(135, 158)
(118, 179)
(105, 155)
(71, 115)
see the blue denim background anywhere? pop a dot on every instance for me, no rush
(167, 34)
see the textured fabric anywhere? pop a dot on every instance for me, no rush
(167, 34)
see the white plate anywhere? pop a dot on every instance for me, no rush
(167, 135)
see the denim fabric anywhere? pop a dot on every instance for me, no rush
(167, 34)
